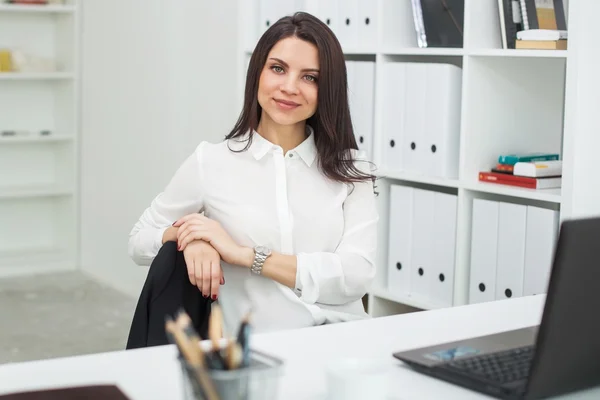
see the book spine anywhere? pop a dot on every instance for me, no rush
(506, 179)
(512, 159)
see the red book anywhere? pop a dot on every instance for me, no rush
(521, 181)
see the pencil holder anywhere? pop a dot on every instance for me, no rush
(259, 380)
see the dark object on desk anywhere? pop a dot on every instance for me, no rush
(562, 357)
(167, 290)
(439, 23)
(95, 392)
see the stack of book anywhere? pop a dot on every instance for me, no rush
(529, 170)
(542, 39)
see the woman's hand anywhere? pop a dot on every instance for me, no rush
(198, 227)
(204, 267)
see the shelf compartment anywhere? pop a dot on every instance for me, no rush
(35, 223)
(45, 165)
(34, 106)
(511, 105)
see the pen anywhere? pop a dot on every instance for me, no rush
(243, 339)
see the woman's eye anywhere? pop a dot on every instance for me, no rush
(311, 78)
(277, 68)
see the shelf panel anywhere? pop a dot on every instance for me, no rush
(34, 260)
(34, 139)
(34, 191)
(549, 195)
(518, 53)
(13, 76)
(21, 8)
(408, 300)
(417, 51)
(411, 177)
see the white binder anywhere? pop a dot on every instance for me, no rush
(441, 135)
(270, 11)
(512, 220)
(421, 114)
(362, 104)
(441, 290)
(420, 268)
(400, 239)
(367, 25)
(326, 11)
(415, 115)
(484, 250)
(393, 114)
(267, 11)
(542, 233)
(347, 32)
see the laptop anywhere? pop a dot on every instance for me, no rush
(560, 356)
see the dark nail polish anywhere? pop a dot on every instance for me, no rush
(205, 296)
(214, 296)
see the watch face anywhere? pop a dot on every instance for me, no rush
(263, 250)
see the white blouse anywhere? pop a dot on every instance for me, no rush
(265, 197)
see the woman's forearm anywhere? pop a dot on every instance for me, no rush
(279, 267)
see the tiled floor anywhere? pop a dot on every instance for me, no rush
(57, 315)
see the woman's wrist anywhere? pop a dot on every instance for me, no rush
(246, 257)
(170, 235)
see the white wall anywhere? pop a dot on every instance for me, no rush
(581, 114)
(158, 77)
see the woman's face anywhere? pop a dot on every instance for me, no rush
(288, 86)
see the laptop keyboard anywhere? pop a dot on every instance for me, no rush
(501, 367)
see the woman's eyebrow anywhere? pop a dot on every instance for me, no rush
(286, 65)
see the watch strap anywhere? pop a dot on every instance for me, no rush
(259, 261)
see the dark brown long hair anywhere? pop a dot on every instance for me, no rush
(332, 125)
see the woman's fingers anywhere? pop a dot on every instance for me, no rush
(206, 277)
(199, 273)
(189, 262)
(188, 218)
(216, 277)
(197, 234)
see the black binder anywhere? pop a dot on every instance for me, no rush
(439, 23)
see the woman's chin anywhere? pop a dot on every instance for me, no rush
(286, 119)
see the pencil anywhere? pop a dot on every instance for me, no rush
(193, 356)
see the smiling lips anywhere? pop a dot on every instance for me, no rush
(286, 105)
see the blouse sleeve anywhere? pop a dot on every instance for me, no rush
(344, 275)
(183, 195)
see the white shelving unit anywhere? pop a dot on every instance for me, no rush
(38, 182)
(512, 100)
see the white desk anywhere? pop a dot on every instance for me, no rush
(153, 373)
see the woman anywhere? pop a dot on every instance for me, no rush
(288, 204)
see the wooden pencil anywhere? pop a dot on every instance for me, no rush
(194, 357)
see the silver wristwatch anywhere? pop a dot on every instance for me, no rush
(261, 253)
